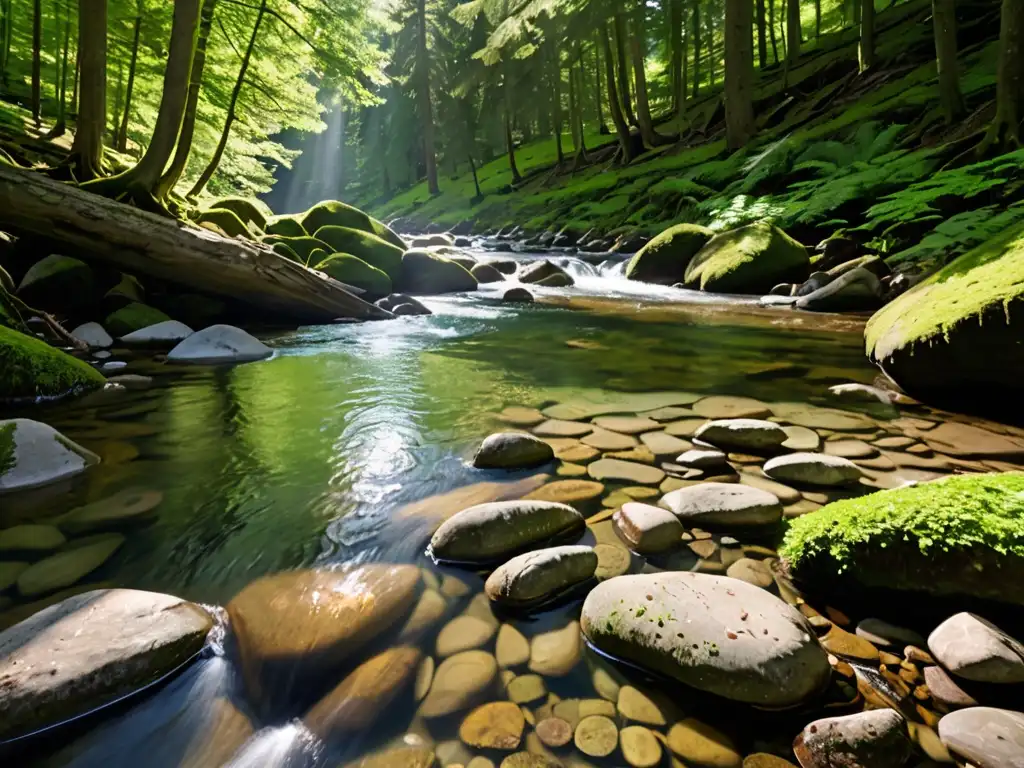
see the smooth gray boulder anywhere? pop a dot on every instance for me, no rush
(89, 651)
(859, 289)
(486, 533)
(985, 737)
(974, 649)
(165, 334)
(723, 505)
(813, 469)
(93, 335)
(713, 633)
(539, 577)
(33, 454)
(512, 450)
(219, 344)
(706, 459)
(873, 739)
(742, 434)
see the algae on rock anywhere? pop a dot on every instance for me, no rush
(666, 257)
(30, 368)
(750, 259)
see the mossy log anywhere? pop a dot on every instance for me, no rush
(146, 244)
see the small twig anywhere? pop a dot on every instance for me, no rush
(55, 328)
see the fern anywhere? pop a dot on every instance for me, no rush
(961, 233)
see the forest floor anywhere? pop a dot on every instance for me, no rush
(869, 154)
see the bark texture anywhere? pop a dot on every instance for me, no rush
(621, 126)
(1005, 128)
(794, 33)
(739, 73)
(122, 133)
(867, 35)
(86, 156)
(944, 18)
(426, 106)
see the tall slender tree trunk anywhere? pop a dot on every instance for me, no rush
(510, 147)
(118, 97)
(426, 107)
(476, 181)
(866, 49)
(78, 74)
(696, 48)
(86, 157)
(5, 22)
(645, 123)
(709, 29)
(793, 30)
(37, 44)
(685, 84)
(762, 36)
(122, 133)
(598, 95)
(614, 106)
(63, 85)
(218, 153)
(739, 73)
(1005, 128)
(556, 101)
(188, 124)
(573, 110)
(623, 68)
(675, 41)
(817, 19)
(944, 18)
(771, 30)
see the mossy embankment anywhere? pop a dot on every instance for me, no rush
(837, 150)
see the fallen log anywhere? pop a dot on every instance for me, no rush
(146, 244)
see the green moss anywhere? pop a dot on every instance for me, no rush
(228, 221)
(355, 271)
(55, 275)
(991, 275)
(285, 226)
(751, 259)
(249, 211)
(30, 368)
(666, 257)
(334, 213)
(6, 447)
(426, 273)
(133, 317)
(364, 245)
(302, 247)
(281, 249)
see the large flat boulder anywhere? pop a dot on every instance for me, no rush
(219, 344)
(33, 454)
(723, 505)
(750, 259)
(960, 535)
(89, 651)
(939, 339)
(713, 633)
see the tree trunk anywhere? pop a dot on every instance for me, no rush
(140, 184)
(710, 37)
(218, 153)
(944, 18)
(762, 37)
(645, 122)
(37, 44)
(817, 18)
(426, 106)
(614, 106)
(86, 157)
(5, 24)
(696, 48)
(793, 30)
(78, 75)
(675, 40)
(580, 124)
(510, 146)
(601, 127)
(476, 181)
(147, 245)
(122, 134)
(188, 124)
(739, 73)
(63, 103)
(685, 84)
(556, 84)
(623, 68)
(118, 96)
(573, 111)
(771, 30)
(1005, 129)
(866, 49)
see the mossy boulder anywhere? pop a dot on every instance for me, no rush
(665, 258)
(959, 536)
(940, 339)
(364, 245)
(750, 259)
(285, 226)
(333, 213)
(30, 368)
(227, 221)
(249, 211)
(133, 317)
(355, 271)
(301, 247)
(427, 273)
(125, 291)
(58, 283)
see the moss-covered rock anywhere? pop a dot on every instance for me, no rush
(58, 283)
(426, 273)
(355, 271)
(939, 339)
(333, 213)
(126, 290)
(665, 258)
(364, 245)
(30, 368)
(249, 211)
(750, 259)
(962, 535)
(301, 247)
(227, 221)
(131, 318)
(285, 226)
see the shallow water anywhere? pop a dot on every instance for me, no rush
(315, 456)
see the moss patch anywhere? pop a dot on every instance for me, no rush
(750, 259)
(249, 211)
(302, 247)
(355, 271)
(665, 258)
(30, 368)
(286, 226)
(131, 318)
(6, 447)
(228, 221)
(364, 245)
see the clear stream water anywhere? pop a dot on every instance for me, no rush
(308, 459)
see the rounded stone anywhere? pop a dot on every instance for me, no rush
(970, 647)
(627, 425)
(512, 450)
(518, 416)
(754, 572)
(123, 508)
(742, 434)
(459, 681)
(605, 440)
(726, 407)
(639, 746)
(557, 652)
(526, 688)
(497, 725)
(517, 296)
(596, 736)
(612, 560)
(93, 334)
(634, 704)
(35, 454)
(945, 691)
(722, 505)
(713, 633)
(512, 648)
(165, 334)
(765, 760)
(554, 732)
(625, 472)
(706, 459)
(813, 469)
(883, 634)
(497, 530)
(663, 444)
(30, 539)
(68, 567)
(541, 576)
(572, 492)
(815, 417)
(850, 449)
(648, 529)
(463, 633)
(801, 438)
(872, 739)
(219, 344)
(985, 737)
(424, 678)
(562, 428)
(699, 744)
